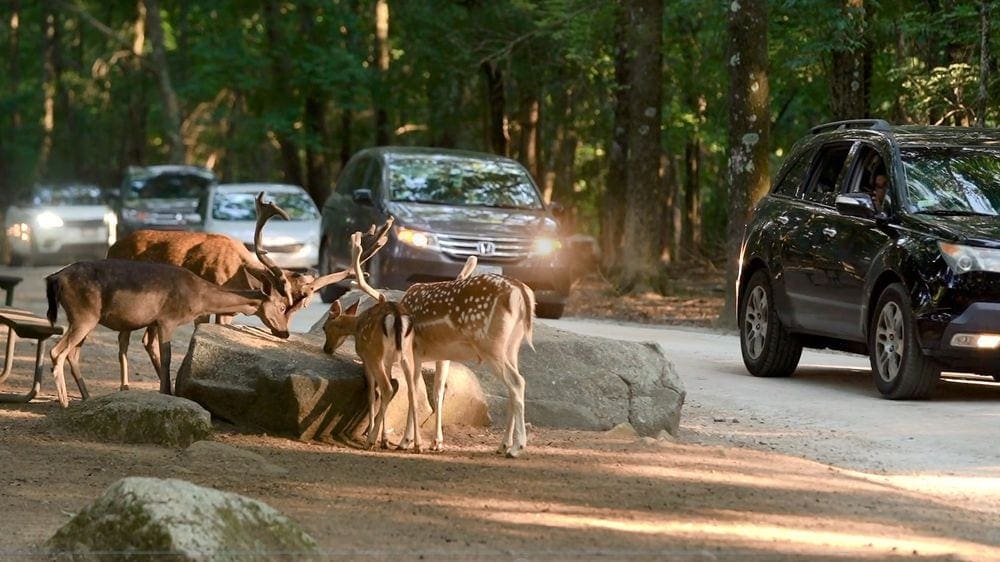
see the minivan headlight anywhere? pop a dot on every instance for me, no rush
(963, 259)
(416, 238)
(544, 246)
(48, 219)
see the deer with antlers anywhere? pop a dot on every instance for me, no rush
(478, 318)
(382, 333)
(226, 262)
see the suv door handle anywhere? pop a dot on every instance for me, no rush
(783, 219)
(831, 232)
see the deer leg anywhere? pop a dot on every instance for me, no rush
(507, 445)
(225, 319)
(74, 368)
(73, 337)
(163, 335)
(411, 425)
(373, 399)
(518, 431)
(385, 389)
(411, 372)
(123, 341)
(152, 345)
(441, 369)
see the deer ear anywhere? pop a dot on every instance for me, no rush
(353, 309)
(335, 309)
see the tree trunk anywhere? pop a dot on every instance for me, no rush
(613, 198)
(280, 76)
(640, 263)
(50, 86)
(318, 175)
(346, 133)
(496, 101)
(749, 130)
(171, 105)
(692, 198)
(383, 134)
(851, 68)
(983, 99)
(530, 135)
(135, 133)
(11, 128)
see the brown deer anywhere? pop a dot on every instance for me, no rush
(126, 296)
(226, 262)
(479, 318)
(382, 333)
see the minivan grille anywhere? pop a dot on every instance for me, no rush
(503, 249)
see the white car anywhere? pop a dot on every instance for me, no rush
(293, 244)
(59, 223)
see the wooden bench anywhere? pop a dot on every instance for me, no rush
(27, 325)
(7, 283)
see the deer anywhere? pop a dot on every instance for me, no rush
(382, 333)
(472, 318)
(226, 262)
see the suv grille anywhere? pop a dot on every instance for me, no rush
(84, 223)
(503, 249)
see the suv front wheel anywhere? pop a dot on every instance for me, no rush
(769, 350)
(900, 369)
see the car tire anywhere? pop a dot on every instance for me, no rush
(332, 292)
(551, 310)
(768, 348)
(899, 368)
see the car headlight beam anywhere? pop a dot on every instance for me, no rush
(48, 219)
(963, 259)
(544, 246)
(416, 238)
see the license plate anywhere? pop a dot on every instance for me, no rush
(484, 269)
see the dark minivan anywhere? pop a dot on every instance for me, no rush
(882, 240)
(164, 197)
(448, 205)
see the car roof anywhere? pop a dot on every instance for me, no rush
(391, 151)
(909, 136)
(171, 169)
(258, 186)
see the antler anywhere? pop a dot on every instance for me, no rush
(264, 213)
(358, 274)
(372, 241)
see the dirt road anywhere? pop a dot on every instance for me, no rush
(719, 491)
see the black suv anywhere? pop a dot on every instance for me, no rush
(909, 276)
(162, 198)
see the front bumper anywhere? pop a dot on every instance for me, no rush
(402, 266)
(67, 240)
(937, 331)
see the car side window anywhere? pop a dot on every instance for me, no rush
(870, 175)
(824, 183)
(353, 177)
(374, 179)
(795, 175)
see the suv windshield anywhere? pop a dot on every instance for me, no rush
(68, 195)
(461, 181)
(169, 186)
(241, 206)
(953, 181)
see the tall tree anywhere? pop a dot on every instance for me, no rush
(983, 98)
(171, 105)
(383, 134)
(613, 199)
(281, 74)
(644, 209)
(851, 65)
(749, 129)
(499, 138)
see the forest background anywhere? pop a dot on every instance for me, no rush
(656, 125)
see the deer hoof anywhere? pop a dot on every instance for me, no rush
(123, 387)
(417, 449)
(502, 449)
(513, 452)
(404, 445)
(437, 447)
(384, 444)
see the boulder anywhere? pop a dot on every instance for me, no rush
(177, 520)
(291, 387)
(577, 382)
(138, 417)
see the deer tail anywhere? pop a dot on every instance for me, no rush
(52, 294)
(529, 312)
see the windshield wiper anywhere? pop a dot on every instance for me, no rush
(948, 213)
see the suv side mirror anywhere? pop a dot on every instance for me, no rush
(856, 205)
(362, 197)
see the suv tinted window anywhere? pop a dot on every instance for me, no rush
(461, 181)
(796, 174)
(169, 186)
(374, 179)
(830, 163)
(354, 176)
(953, 181)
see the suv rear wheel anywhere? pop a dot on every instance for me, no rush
(769, 350)
(553, 310)
(899, 368)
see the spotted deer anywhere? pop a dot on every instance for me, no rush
(382, 333)
(478, 318)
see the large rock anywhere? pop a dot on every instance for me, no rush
(577, 382)
(138, 417)
(177, 520)
(291, 387)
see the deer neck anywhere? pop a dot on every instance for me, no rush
(221, 301)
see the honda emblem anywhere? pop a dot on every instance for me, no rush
(486, 248)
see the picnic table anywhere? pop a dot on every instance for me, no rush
(27, 325)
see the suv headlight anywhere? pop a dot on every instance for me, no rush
(544, 246)
(963, 259)
(48, 219)
(417, 238)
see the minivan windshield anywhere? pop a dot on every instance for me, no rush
(169, 186)
(451, 180)
(68, 195)
(241, 206)
(953, 181)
